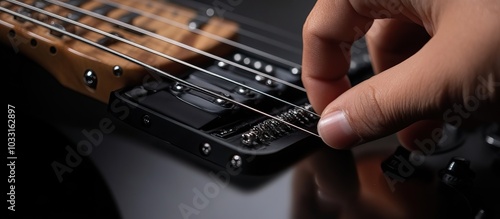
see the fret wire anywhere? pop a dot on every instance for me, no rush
(157, 36)
(128, 58)
(174, 42)
(204, 33)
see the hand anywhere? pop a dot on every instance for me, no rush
(436, 60)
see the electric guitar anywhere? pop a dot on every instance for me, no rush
(224, 91)
(179, 70)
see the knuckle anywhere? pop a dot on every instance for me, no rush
(368, 117)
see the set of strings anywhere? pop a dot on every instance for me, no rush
(241, 31)
(171, 41)
(226, 12)
(147, 66)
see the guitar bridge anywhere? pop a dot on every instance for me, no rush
(236, 113)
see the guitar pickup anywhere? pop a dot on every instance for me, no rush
(203, 100)
(183, 103)
(239, 93)
(263, 81)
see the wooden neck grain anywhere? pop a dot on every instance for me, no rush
(68, 59)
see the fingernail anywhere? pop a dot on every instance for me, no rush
(336, 131)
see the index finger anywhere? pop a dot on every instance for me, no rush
(328, 33)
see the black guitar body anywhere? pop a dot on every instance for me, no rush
(138, 157)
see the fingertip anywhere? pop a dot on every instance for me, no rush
(336, 131)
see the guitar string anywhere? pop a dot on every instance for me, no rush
(270, 41)
(198, 51)
(200, 69)
(179, 61)
(241, 31)
(244, 32)
(158, 53)
(121, 55)
(174, 42)
(151, 68)
(269, 28)
(225, 11)
(203, 33)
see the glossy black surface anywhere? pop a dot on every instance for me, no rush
(138, 176)
(130, 174)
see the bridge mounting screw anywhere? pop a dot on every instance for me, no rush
(146, 120)
(236, 161)
(117, 71)
(90, 78)
(205, 149)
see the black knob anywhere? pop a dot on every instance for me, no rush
(453, 138)
(458, 174)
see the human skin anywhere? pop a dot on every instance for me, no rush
(430, 57)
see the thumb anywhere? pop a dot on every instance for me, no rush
(415, 89)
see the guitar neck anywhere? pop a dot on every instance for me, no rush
(77, 40)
